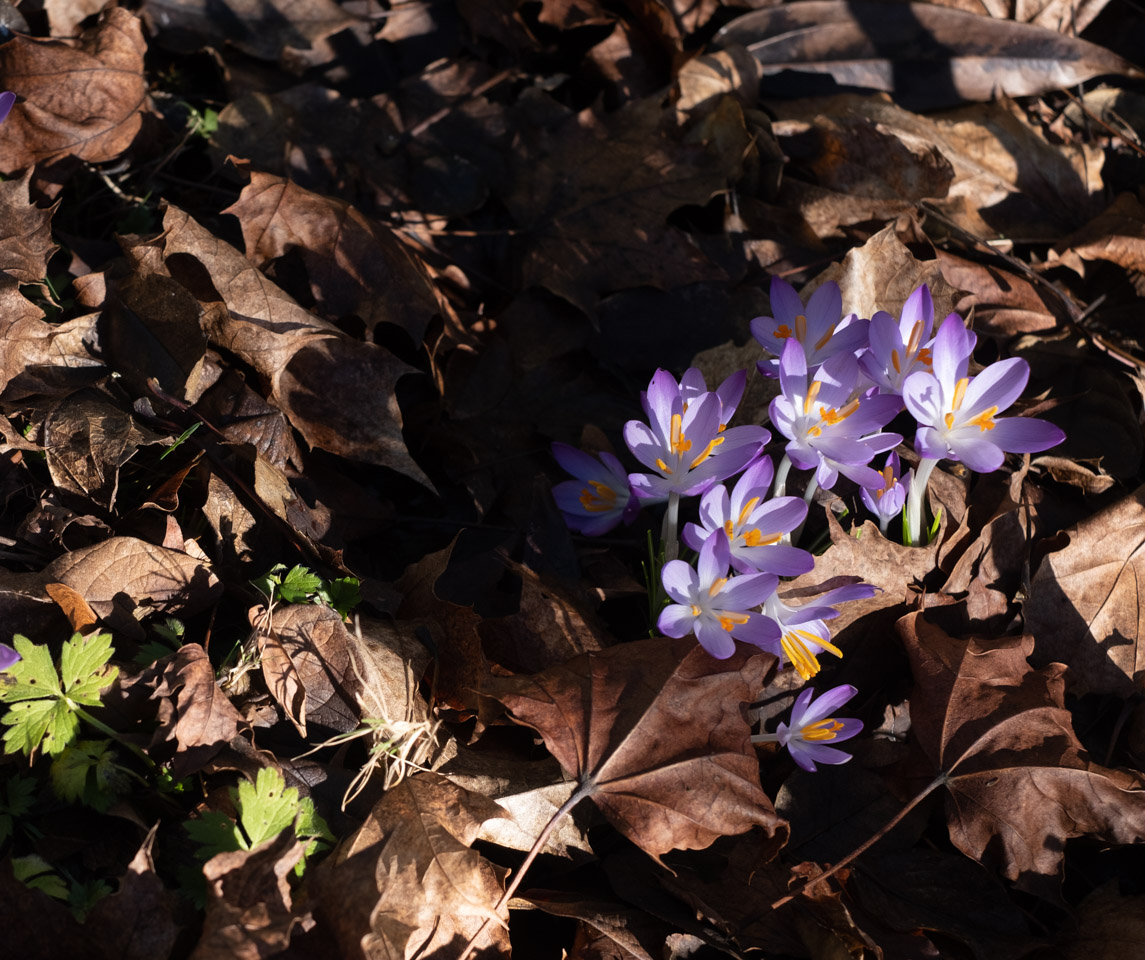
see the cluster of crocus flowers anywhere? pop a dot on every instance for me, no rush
(843, 380)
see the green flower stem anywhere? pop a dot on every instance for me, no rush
(113, 734)
(668, 540)
(779, 489)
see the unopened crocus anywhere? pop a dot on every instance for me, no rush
(599, 498)
(887, 500)
(8, 656)
(689, 446)
(829, 428)
(6, 102)
(803, 634)
(819, 327)
(958, 415)
(693, 386)
(813, 728)
(753, 525)
(718, 609)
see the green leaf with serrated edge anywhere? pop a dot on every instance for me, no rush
(37, 874)
(69, 772)
(34, 674)
(84, 896)
(268, 582)
(267, 806)
(33, 721)
(20, 793)
(215, 833)
(298, 585)
(82, 667)
(309, 824)
(342, 594)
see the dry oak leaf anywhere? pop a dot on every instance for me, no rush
(355, 264)
(1018, 781)
(249, 910)
(84, 99)
(655, 733)
(194, 714)
(407, 883)
(338, 393)
(1084, 606)
(43, 359)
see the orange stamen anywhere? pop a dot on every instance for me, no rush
(823, 340)
(833, 416)
(753, 538)
(664, 468)
(712, 444)
(717, 586)
(895, 361)
(729, 621)
(983, 421)
(680, 443)
(800, 328)
(823, 730)
(783, 332)
(812, 393)
(960, 393)
(600, 498)
(915, 338)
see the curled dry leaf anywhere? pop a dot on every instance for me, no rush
(25, 233)
(929, 56)
(85, 99)
(250, 914)
(407, 882)
(194, 715)
(1085, 607)
(655, 731)
(41, 359)
(307, 665)
(1018, 782)
(355, 264)
(338, 393)
(1107, 924)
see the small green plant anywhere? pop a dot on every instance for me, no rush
(46, 705)
(265, 808)
(87, 772)
(302, 585)
(170, 632)
(15, 802)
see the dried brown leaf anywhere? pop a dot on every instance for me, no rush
(407, 882)
(250, 914)
(194, 714)
(1107, 924)
(307, 664)
(262, 28)
(1116, 235)
(85, 99)
(338, 393)
(1019, 783)
(43, 359)
(594, 197)
(355, 264)
(929, 56)
(655, 731)
(74, 606)
(25, 233)
(87, 439)
(1084, 606)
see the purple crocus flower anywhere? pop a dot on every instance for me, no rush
(802, 633)
(817, 328)
(829, 427)
(716, 608)
(6, 102)
(730, 392)
(886, 501)
(688, 444)
(599, 498)
(753, 525)
(956, 413)
(812, 727)
(898, 348)
(8, 656)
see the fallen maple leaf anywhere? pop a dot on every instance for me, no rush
(85, 99)
(656, 734)
(1018, 782)
(407, 882)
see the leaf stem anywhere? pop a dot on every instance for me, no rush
(114, 734)
(583, 790)
(870, 842)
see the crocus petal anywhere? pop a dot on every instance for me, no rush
(714, 559)
(644, 444)
(680, 581)
(663, 395)
(808, 754)
(843, 449)
(1025, 434)
(824, 706)
(922, 394)
(714, 638)
(580, 464)
(793, 369)
(930, 443)
(692, 383)
(823, 309)
(676, 620)
(760, 632)
(949, 353)
(979, 454)
(742, 593)
(6, 101)
(919, 308)
(779, 558)
(849, 339)
(730, 393)
(999, 385)
(755, 482)
(781, 515)
(8, 656)
(785, 302)
(694, 535)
